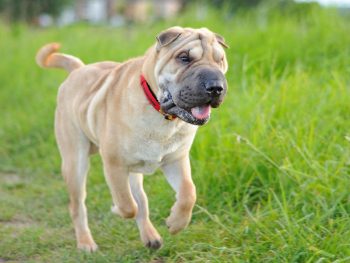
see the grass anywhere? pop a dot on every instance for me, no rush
(271, 167)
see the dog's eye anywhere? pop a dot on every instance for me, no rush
(184, 58)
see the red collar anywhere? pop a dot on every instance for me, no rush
(153, 99)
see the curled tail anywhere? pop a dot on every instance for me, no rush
(47, 57)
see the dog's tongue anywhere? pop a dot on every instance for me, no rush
(201, 112)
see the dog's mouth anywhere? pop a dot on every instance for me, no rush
(198, 115)
(201, 112)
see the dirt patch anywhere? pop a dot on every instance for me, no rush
(11, 181)
(18, 222)
(2, 260)
(10, 178)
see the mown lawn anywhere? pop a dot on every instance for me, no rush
(271, 167)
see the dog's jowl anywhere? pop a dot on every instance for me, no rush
(139, 115)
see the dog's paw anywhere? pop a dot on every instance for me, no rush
(154, 244)
(177, 222)
(151, 238)
(125, 212)
(87, 245)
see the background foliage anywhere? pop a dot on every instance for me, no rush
(271, 167)
(28, 10)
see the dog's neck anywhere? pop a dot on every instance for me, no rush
(153, 99)
(148, 69)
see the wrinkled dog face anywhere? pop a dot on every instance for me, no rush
(190, 73)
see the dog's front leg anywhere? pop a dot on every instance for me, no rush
(117, 178)
(149, 234)
(178, 174)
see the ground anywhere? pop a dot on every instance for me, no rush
(271, 167)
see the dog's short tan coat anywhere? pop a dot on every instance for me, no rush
(101, 107)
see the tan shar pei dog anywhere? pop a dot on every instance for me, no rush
(139, 115)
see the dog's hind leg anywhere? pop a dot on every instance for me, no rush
(74, 148)
(149, 234)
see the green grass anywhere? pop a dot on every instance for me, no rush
(271, 167)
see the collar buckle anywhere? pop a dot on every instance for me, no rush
(153, 99)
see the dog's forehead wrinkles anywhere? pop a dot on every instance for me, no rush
(196, 53)
(218, 52)
(206, 43)
(212, 49)
(169, 52)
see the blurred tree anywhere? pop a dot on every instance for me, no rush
(28, 10)
(234, 5)
(80, 7)
(111, 7)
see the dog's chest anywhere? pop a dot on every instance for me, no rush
(149, 148)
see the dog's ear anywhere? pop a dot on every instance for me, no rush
(168, 36)
(221, 40)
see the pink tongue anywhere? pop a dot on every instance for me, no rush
(201, 112)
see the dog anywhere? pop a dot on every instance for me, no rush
(140, 115)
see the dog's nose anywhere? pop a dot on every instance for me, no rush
(214, 87)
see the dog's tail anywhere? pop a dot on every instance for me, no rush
(47, 57)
